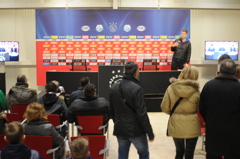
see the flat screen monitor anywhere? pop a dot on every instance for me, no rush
(9, 51)
(214, 49)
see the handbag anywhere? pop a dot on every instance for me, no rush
(174, 107)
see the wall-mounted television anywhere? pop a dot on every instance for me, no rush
(9, 51)
(214, 49)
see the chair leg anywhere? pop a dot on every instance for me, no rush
(73, 129)
(202, 141)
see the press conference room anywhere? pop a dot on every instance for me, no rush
(66, 40)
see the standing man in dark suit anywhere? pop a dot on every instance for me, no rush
(129, 113)
(220, 108)
(182, 51)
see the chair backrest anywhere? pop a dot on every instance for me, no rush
(96, 143)
(118, 62)
(90, 124)
(202, 122)
(12, 117)
(149, 65)
(40, 144)
(20, 109)
(3, 143)
(54, 119)
(79, 65)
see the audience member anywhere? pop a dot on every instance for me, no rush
(20, 93)
(3, 122)
(16, 148)
(237, 74)
(60, 91)
(223, 57)
(129, 114)
(79, 149)
(52, 103)
(79, 92)
(220, 108)
(3, 105)
(36, 125)
(90, 105)
(184, 124)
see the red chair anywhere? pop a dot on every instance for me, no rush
(79, 65)
(12, 117)
(98, 145)
(54, 119)
(203, 129)
(20, 109)
(42, 144)
(150, 65)
(3, 143)
(90, 125)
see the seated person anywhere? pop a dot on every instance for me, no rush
(79, 149)
(36, 125)
(79, 92)
(16, 149)
(3, 105)
(20, 93)
(52, 103)
(61, 92)
(90, 105)
(3, 122)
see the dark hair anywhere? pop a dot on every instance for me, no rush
(223, 57)
(84, 81)
(51, 87)
(21, 78)
(14, 132)
(228, 66)
(89, 90)
(130, 67)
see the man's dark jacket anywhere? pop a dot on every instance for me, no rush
(182, 52)
(76, 95)
(220, 107)
(88, 106)
(131, 119)
(53, 105)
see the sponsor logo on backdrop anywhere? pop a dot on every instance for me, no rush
(85, 28)
(141, 28)
(127, 28)
(99, 28)
(116, 76)
(113, 27)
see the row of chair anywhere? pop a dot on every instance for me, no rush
(98, 145)
(81, 64)
(92, 126)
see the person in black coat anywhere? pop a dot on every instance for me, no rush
(129, 113)
(52, 103)
(90, 105)
(220, 108)
(79, 92)
(181, 49)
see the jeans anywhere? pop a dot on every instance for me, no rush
(185, 147)
(140, 143)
